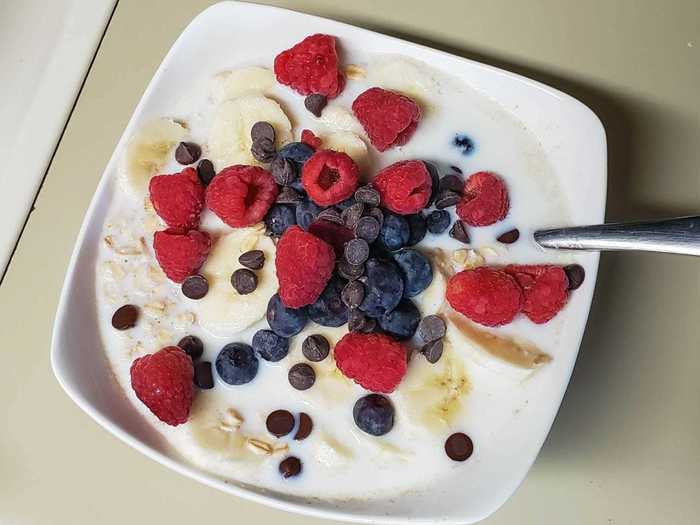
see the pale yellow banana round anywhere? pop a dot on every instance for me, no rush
(232, 84)
(347, 142)
(146, 153)
(229, 137)
(223, 311)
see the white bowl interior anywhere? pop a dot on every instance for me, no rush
(564, 126)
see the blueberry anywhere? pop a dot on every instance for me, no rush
(307, 211)
(417, 227)
(438, 221)
(416, 270)
(435, 180)
(298, 186)
(296, 151)
(279, 218)
(464, 143)
(374, 414)
(236, 364)
(402, 321)
(329, 309)
(284, 321)
(395, 232)
(343, 205)
(383, 287)
(270, 346)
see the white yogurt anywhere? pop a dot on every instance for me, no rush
(339, 460)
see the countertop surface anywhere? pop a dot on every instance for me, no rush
(625, 447)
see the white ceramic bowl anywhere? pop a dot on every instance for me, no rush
(222, 35)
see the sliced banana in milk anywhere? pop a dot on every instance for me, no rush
(433, 395)
(338, 118)
(229, 137)
(147, 152)
(347, 142)
(223, 311)
(232, 84)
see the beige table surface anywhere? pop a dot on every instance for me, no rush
(625, 447)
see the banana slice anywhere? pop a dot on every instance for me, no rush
(147, 152)
(404, 75)
(431, 299)
(434, 394)
(229, 138)
(337, 118)
(223, 311)
(228, 85)
(331, 389)
(331, 453)
(347, 142)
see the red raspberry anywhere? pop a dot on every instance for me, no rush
(375, 361)
(404, 187)
(485, 200)
(485, 295)
(178, 199)
(388, 118)
(334, 234)
(180, 253)
(163, 382)
(304, 265)
(546, 290)
(310, 139)
(330, 177)
(241, 195)
(311, 67)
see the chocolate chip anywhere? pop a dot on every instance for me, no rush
(356, 251)
(315, 104)
(306, 425)
(455, 168)
(459, 232)
(283, 170)
(262, 130)
(330, 215)
(447, 198)
(301, 376)
(244, 281)
(187, 153)
(353, 294)
(431, 327)
(192, 345)
(195, 287)
(452, 183)
(509, 237)
(352, 214)
(367, 195)
(253, 259)
(203, 377)
(350, 271)
(290, 467)
(367, 228)
(576, 274)
(205, 171)
(377, 214)
(315, 348)
(280, 423)
(288, 195)
(459, 447)
(359, 322)
(370, 325)
(125, 317)
(263, 150)
(432, 351)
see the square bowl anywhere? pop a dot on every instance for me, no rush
(214, 40)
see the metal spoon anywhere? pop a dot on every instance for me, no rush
(679, 235)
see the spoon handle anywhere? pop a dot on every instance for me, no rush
(679, 235)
